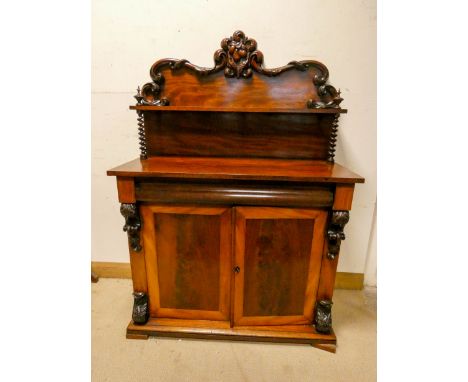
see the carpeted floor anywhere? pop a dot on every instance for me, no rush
(115, 358)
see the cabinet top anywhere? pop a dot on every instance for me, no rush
(237, 109)
(238, 169)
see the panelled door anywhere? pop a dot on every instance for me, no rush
(278, 255)
(188, 258)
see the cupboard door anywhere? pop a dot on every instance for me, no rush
(278, 254)
(188, 261)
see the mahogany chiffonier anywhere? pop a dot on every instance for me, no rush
(235, 209)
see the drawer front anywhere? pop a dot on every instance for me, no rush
(188, 261)
(240, 193)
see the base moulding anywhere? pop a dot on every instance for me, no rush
(296, 334)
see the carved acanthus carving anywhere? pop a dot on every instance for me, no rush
(335, 232)
(140, 312)
(132, 224)
(323, 318)
(239, 57)
(239, 50)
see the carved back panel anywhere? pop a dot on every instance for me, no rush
(238, 81)
(290, 90)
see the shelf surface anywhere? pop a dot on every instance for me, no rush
(294, 170)
(239, 109)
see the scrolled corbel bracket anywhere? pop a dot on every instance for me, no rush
(149, 93)
(335, 232)
(140, 312)
(132, 225)
(323, 317)
(329, 96)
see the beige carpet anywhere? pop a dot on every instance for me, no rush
(115, 358)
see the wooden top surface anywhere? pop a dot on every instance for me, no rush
(239, 109)
(293, 170)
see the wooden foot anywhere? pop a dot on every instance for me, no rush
(94, 277)
(327, 347)
(131, 336)
(140, 313)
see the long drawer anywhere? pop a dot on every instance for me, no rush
(238, 193)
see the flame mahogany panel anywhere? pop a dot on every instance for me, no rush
(289, 90)
(267, 135)
(276, 266)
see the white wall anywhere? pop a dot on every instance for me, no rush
(370, 274)
(128, 36)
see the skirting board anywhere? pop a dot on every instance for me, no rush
(344, 280)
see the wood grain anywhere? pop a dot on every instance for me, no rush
(105, 269)
(230, 109)
(291, 90)
(188, 260)
(233, 193)
(261, 135)
(238, 168)
(278, 251)
(343, 199)
(138, 267)
(302, 334)
(327, 276)
(126, 189)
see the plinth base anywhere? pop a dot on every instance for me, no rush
(220, 330)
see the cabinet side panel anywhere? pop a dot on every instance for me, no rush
(277, 254)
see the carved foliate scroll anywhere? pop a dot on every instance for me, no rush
(335, 232)
(329, 97)
(323, 317)
(149, 93)
(239, 58)
(140, 313)
(132, 225)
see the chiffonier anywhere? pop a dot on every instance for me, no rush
(235, 209)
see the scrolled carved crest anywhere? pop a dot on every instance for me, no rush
(239, 58)
(239, 50)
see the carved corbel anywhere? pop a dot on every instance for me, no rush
(335, 232)
(140, 313)
(323, 318)
(149, 93)
(329, 96)
(132, 224)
